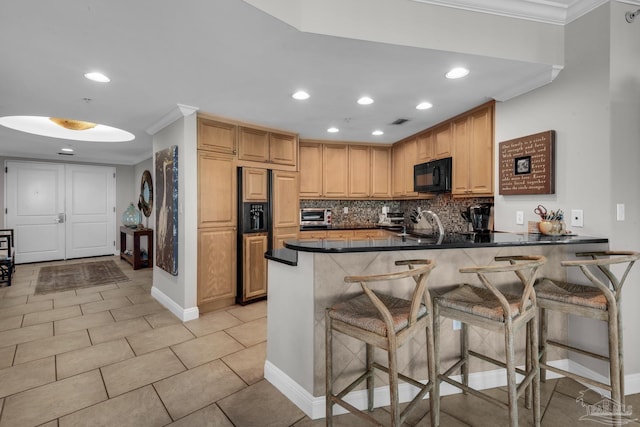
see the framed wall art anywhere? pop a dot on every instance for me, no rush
(527, 164)
(166, 163)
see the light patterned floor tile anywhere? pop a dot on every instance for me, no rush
(124, 291)
(248, 363)
(26, 376)
(156, 339)
(164, 318)
(205, 349)
(11, 301)
(51, 315)
(108, 304)
(118, 330)
(82, 322)
(26, 334)
(90, 358)
(19, 310)
(75, 300)
(209, 323)
(205, 417)
(6, 356)
(11, 323)
(51, 346)
(137, 310)
(250, 333)
(250, 312)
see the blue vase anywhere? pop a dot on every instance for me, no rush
(131, 217)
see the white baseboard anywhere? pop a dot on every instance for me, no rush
(314, 407)
(184, 314)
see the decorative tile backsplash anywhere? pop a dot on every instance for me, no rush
(365, 212)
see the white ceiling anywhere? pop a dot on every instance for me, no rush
(231, 59)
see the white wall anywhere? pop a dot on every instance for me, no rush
(594, 106)
(179, 293)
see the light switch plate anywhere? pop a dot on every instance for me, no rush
(620, 212)
(345, 210)
(577, 218)
(519, 217)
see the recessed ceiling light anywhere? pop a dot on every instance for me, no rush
(300, 95)
(377, 132)
(75, 130)
(67, 150)
(97, 77)
(424, 106)
(365, 100)
(333, 130)
(457, 73)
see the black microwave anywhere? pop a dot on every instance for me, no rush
(433, 177)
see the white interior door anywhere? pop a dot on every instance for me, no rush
(90, 195)
(60, 211)
(34, 201)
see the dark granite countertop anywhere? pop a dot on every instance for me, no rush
(363, 226)
(448, 241)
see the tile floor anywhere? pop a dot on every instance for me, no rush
(112, 356)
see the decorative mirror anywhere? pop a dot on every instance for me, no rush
(145, 203)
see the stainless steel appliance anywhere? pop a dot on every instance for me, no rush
(315, 218)
(433, 177)
(480, 217)
(254, 238)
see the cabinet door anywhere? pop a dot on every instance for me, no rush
(254, 184)
(310, 170)
(217, 267)
(339, 234)
(481, 151)
(442, 141)
(461, 155)
(380, 172)
(286, 212)
(281, 235)
(368, 234)
(216, 191)
(359, 171)
(410, 159)
(335, 170)
(397, 154)
(254, 271)
(313, 234)
(282, 149)
(425, 147)
(253, 144)
(216, 136)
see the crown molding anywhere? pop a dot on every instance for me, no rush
(181, 110)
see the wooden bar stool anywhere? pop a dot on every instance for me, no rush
(488, 308)
(385, 322)
(600, 301)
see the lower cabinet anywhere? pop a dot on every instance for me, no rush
(217, 269)
(281, 235)
(254, 268)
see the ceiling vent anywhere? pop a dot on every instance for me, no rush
(399, 121)
(65, 154)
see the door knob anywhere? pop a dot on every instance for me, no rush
(61, 218)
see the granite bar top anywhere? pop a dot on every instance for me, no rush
(446, 241)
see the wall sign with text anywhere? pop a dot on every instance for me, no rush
(527, 164)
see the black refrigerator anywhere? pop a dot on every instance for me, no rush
(255, 237)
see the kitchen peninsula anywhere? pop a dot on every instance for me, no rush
(300, 291)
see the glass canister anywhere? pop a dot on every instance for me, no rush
(131, 217)
(552, 227)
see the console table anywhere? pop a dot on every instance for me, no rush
(135, 259)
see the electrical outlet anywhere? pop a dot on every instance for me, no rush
(345, 210)
(519, 217)
(457, 325)
(577, 218)
(620, 212)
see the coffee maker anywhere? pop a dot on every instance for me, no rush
(480, 217)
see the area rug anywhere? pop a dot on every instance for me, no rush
(75, 276)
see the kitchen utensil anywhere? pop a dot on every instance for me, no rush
(541, 211)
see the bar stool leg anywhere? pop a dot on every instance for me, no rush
(328, 370)
(464, 344)
(434, 399)
(542, 353)
(435, 391)
(620, 357)
(614, 358)
(393, 383)
(370, 378)
(511, 377)
(528, 363)
(537, 415)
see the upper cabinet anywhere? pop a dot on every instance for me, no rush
(258, 145)
(310, 170)
(405, 156)
(442, 141)
(380, 172)
(472, 152)
(216, 190)
(216, 136)
(335, 165)
(359, 171)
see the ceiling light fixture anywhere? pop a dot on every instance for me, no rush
(365, 100)
(333, 129)
(424, 106)
(300, 95)
(97, 77)
(457, 73)
(67, 150)
(74, 130)
(377, 132)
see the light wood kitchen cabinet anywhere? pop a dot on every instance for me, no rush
(286, 205)
(313, 234)
(404, 158)
(339, 234)
(253, 144)
(216, 136)
(368, 234)
(442, 141)
(410, 159)
(335, 165)
(425, 147)
(380, 172)
(473, 153)
(254, 272)
(216, 190)
(216, 268)
(397, 157)
(254, 185)
(311, 166)
(359, 171)
(283, 149)
(259, 145)
(281, 235)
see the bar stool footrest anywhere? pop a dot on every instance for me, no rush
(576, 377)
